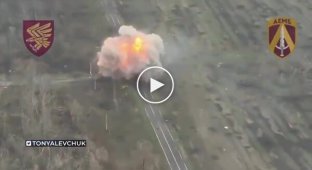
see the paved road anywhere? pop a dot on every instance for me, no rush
(165, 138)
(162, 132)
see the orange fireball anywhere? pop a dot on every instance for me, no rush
(133, 48)
(135, 45)
(125, 55)
(138, 44)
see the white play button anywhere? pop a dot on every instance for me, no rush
(156, 80)
(154, 85)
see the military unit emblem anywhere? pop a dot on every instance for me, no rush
(38, 35)
(282, 35)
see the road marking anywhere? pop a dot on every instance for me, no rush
(160, 115)
(173, 140)
(118, 20)
(168, 145)
(183, 160)
(152, 110)
(169, 132)
(158, 138)
(165, 138)
(185, 166)
(180, 155)
(166, 127)
(147, 114)
(150, 106)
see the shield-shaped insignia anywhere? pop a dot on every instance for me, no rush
(38, 35)
(282, 35)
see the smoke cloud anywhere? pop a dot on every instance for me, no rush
(126, 55)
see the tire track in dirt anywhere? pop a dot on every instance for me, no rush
(226, 24)
(277, 143)
(233, 21)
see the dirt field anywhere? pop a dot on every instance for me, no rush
(236, 106)
(250, 108)
(118, 135)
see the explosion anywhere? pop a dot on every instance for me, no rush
(126, 55)
(138, 44)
